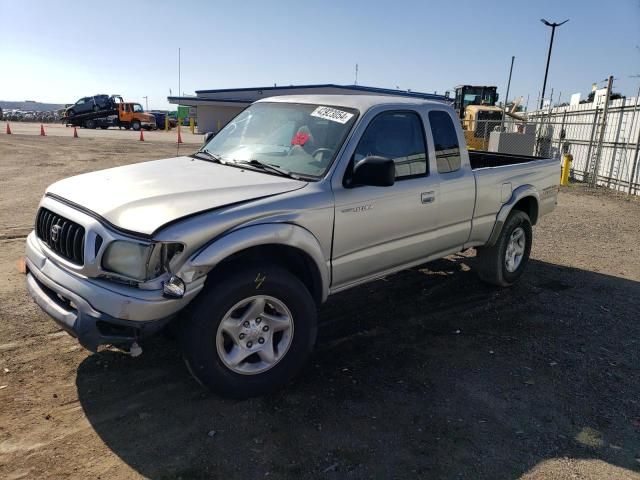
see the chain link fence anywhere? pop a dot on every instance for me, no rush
(605, 149)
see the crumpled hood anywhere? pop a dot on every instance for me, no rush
(145, 196)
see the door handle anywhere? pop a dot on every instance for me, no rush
(428, 197)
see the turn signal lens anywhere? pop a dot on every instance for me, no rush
(174, 287)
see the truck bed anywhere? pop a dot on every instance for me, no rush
(494, 186)
(484, 159)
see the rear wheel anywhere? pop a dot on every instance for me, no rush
(504, 263)
(250, 331)
(90, 124)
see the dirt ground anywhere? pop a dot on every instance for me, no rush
(426, 374)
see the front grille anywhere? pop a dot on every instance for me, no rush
(61, 235)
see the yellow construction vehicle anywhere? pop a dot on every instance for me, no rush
(476, 107)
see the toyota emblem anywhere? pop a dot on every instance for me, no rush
(55, 230)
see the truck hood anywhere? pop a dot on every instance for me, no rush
(145, 196)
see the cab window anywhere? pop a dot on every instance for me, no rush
(445, 141)
(400, 137)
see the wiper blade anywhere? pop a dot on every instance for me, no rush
(209, 156)
(267, 166)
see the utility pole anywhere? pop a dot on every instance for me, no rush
(546, 72)
(635, 157)
(603, 126)
(146, 103)
(178, 113)
(506, 98)
(356, 82)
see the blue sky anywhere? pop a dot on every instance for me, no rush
(59, 51)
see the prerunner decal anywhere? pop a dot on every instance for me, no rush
(333, 114)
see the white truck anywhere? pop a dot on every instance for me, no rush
(297, 198)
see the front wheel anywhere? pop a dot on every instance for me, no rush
(135, 125)
(250, 331)
(504, 263)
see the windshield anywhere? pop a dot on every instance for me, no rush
(302, 139)
(137, 107)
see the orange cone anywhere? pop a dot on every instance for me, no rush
(8, 129)
(179, 136)
(42, 134)
(75, 132)
(141, 136)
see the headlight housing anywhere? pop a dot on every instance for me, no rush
(139, 261)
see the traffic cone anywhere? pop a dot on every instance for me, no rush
(8, 129)
(75, 132)
(179, 136)
(141, 136)
(42, 134)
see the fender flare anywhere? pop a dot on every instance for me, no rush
(518, 194)
(285, 234)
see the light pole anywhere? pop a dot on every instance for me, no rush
(553, 31)
(146, 103)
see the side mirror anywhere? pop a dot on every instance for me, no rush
(208, 136)
(374, 171)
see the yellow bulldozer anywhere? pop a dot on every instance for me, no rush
(476, 107)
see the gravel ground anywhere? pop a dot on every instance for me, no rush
(426, 374)
(113, 133)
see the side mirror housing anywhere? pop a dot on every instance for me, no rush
(208, 136)
(374, 171)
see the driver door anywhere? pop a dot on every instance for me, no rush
(382, 228)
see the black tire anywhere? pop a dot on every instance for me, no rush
(223, 291)
(491, 263)
(90, 124)
(135, 125)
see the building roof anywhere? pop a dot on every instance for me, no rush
(192, 101)
(241, 97)
(360, 88)
(359, 102)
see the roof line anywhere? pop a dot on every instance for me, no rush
(389, 91)
(204, 99)
(220, 90)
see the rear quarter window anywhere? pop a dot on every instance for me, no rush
(445, 141)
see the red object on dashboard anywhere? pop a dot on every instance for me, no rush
(300, 138)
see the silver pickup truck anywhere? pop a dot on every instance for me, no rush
(296, 198)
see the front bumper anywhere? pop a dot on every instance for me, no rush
(98, 312)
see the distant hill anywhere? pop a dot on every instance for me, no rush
(29, 105)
